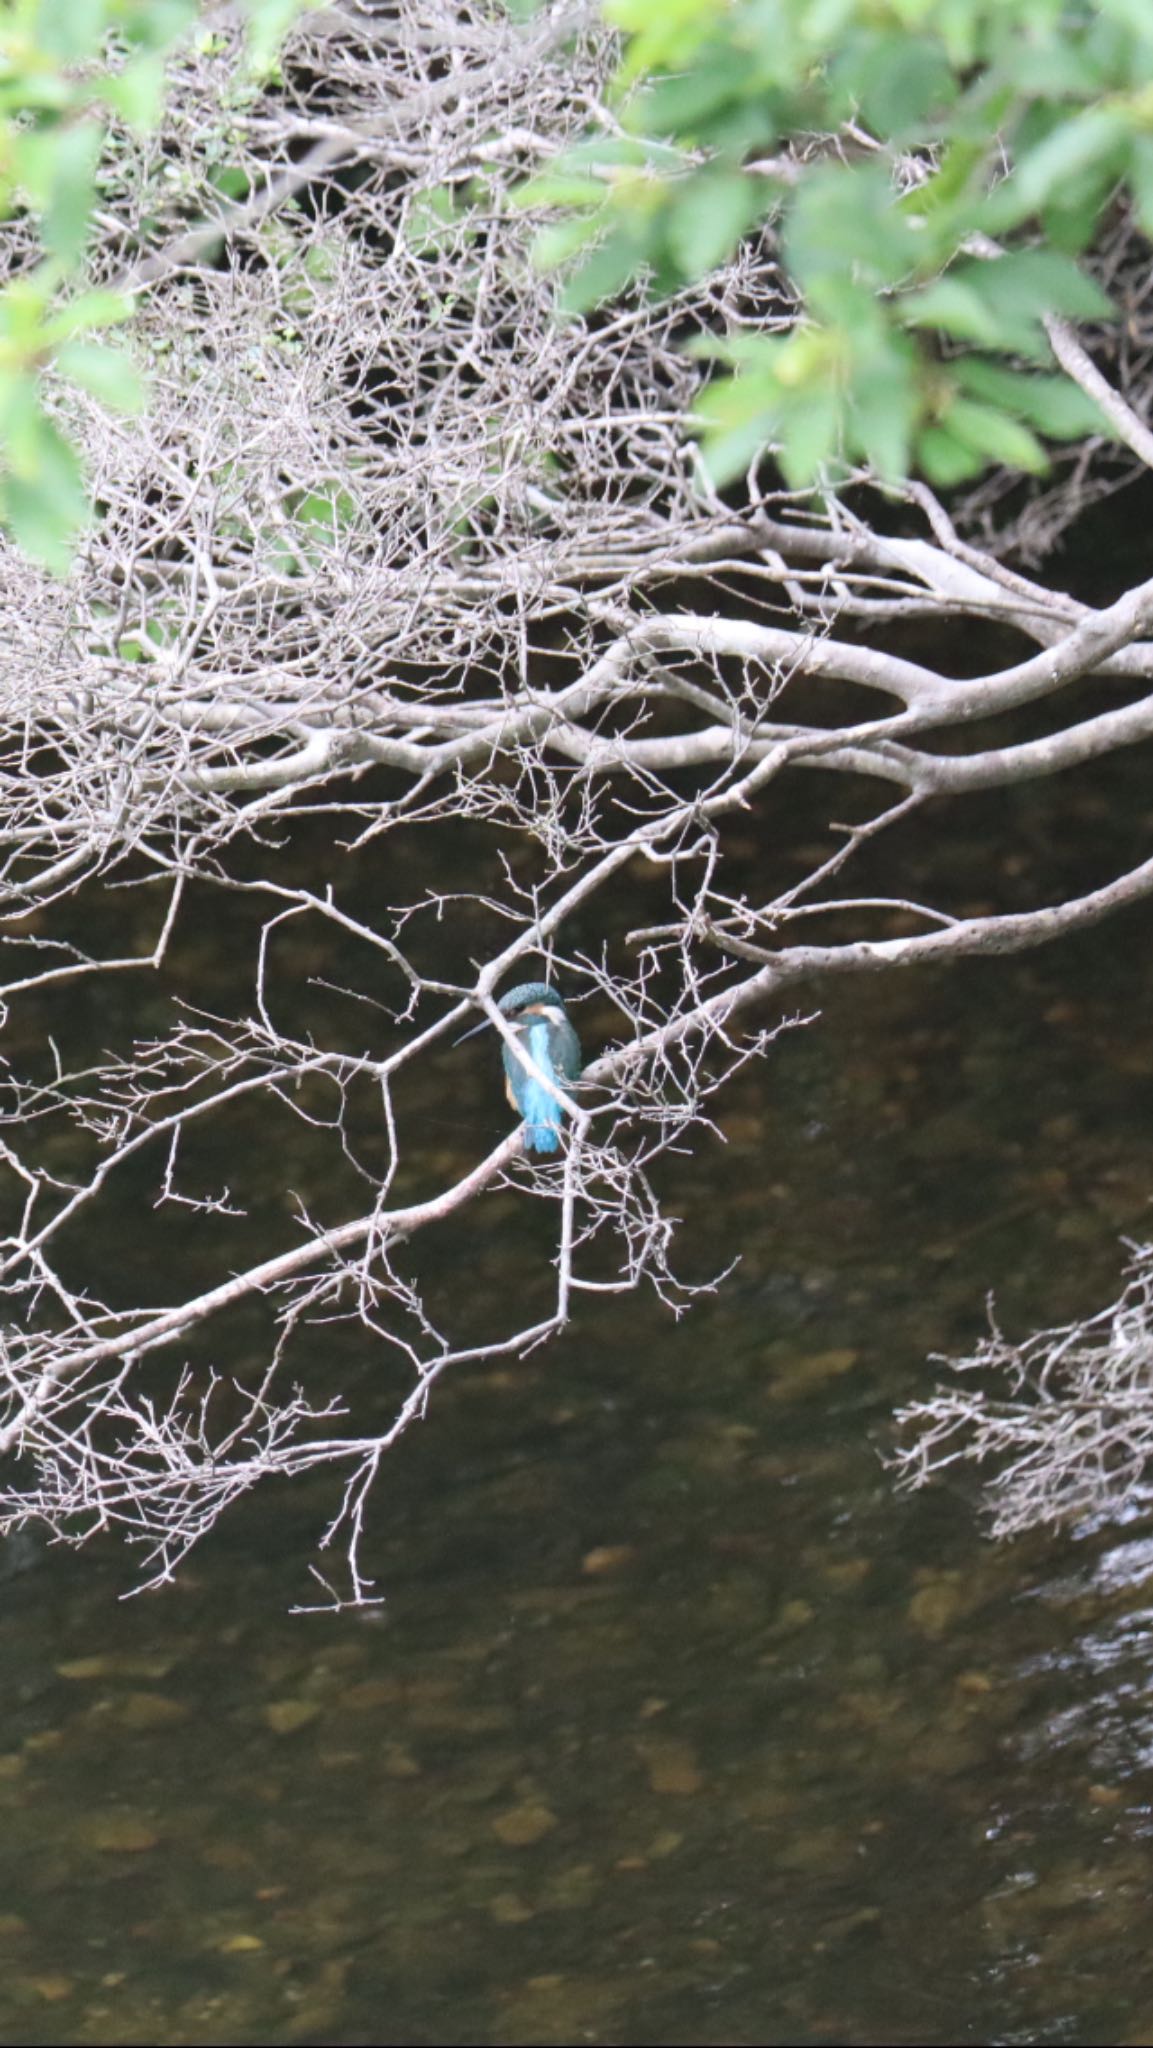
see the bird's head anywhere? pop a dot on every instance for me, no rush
(531, 995)
(520, 1001)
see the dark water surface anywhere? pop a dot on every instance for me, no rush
(677, 1725)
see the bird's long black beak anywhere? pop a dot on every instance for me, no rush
(472, 1031)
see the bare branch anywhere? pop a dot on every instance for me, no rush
(412, 654)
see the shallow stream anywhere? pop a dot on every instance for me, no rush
(677, 1724)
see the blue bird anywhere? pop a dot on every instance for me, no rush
(540, 1023)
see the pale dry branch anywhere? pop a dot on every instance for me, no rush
(1060, 1425)
(411, 656)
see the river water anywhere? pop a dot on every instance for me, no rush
(677, 1724)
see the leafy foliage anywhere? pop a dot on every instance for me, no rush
(73, 77)
(934, 170)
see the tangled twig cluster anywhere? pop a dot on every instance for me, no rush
(397, 559)
(1061, 1421)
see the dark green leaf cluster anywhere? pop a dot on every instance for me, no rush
(933, 170)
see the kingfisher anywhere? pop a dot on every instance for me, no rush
(540, 1023)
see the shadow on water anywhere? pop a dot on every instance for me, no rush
(677, 1725)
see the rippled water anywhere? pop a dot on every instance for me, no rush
(677, 1724)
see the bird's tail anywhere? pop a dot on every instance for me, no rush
(542, 1120)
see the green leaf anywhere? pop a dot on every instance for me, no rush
(32, 153)
(955, 307)
(22, 308)
(958, 180)
(892, 81)
(885, 401)
(1032, 282)
(137, 92)
(1055, 405)
(994, 434)
(1070, 220)
(87, 311)
(1141, 179)
(20, 419)
(620, 152)
(560, 188)
(727, 453)
(231, 180)
(845, 237)
(739, 416)
(44, 504)
(75, 155)
(1094, 139)
(959, 25)
(665, 34)
(810, 437)
(155, 25)
(107, 373)
(789, 395)
(610, 267)
(944, 460)
(688, 104)
(268, 23)
(1002, 303)
(1133, 14)
(566, 238)
(157, 632)
(434, 221)
(325, 515)
(707, 217)
(72, 31)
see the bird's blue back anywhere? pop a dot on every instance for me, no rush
(552, 1044)
(541, 1112)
